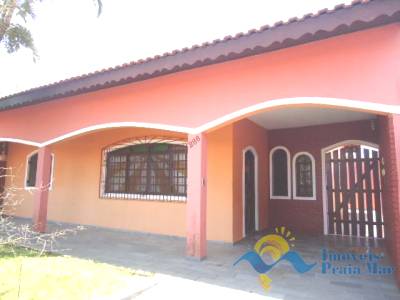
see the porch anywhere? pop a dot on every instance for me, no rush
(234, 203)
(178, 277)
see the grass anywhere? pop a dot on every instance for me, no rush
(25, 275)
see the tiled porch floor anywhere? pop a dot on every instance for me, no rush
(191, 279)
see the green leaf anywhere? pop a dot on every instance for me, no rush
(18, 36)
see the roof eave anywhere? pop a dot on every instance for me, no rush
(325, 24)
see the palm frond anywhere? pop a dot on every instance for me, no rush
(18, 36)
(25, 10)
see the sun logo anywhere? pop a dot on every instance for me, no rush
(277, 246)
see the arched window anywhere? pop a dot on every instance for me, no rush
(304, 176)
(146, 171)
(280, 173)
(31, 168)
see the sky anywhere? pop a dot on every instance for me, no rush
(71, 40)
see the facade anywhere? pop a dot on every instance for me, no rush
(224, 139)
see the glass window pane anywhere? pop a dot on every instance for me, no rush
(140, 148)
(304, 180)
(160, 173)
(279, 173)
(32, 168)
(159, 148)
(137, 174)
(116, 174)
(155, 169)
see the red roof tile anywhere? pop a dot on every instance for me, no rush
(359, 15)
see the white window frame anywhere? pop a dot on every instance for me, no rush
(271, 183)
(29, 188)
(314, 184)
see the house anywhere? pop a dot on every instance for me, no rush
(294, 125)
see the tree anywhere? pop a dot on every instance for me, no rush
(13, 35)
(15, 232)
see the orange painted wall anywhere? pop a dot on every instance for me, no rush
(361, 66)
(16, 161)
(220, 184)
(247, 133)
(75, 194)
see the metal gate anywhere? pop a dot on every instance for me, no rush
(354, 195)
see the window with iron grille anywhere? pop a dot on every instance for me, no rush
(279, 173)
(304, 176)
(146, 170)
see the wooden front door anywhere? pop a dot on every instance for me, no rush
(249, 185)
(354, 195)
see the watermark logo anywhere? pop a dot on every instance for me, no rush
(278, 247)
(354, 263)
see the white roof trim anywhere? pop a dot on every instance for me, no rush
(369, 107)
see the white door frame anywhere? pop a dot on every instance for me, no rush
(324, 193)
(256, 217)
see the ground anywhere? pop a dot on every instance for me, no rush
(177, 277)
(24, 274)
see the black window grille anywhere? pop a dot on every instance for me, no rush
(147, 169)
(304, 177)
(280, 173)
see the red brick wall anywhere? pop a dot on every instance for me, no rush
(246, 133)
(306, 216)
(389, 139)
